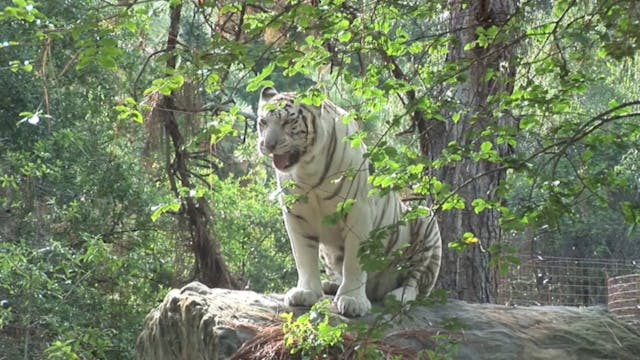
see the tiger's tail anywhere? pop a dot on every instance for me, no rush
(427, 253)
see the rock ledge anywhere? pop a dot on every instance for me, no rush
(196, 322)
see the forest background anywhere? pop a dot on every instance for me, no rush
(128, 161)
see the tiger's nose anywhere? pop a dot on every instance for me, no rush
(269, 145)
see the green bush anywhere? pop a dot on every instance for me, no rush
(87, 303)
(252, 235)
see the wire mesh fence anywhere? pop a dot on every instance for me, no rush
(624, 298)
(548, 280)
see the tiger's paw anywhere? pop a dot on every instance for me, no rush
(353, 306)
(301, 297)
(404, 294)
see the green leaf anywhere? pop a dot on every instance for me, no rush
(163, 208)
(457, 245)
(470, 45)
(107, 62)
(108, 42)
(344, 36)
(486, 146)
(166, 85)
(343, 208)
(528, 122)
(259, 80)
(343, 24)
(129, 110)
(479, 205)
(489, 74)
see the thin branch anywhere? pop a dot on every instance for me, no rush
(144, 65)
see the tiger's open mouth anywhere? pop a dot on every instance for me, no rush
(285, 161)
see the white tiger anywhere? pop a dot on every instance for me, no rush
(307, 147)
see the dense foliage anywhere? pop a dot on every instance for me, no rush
(96, 188)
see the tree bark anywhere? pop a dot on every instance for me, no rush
(195, 214)
(467, 274)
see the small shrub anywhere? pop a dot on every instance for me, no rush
(311, 335)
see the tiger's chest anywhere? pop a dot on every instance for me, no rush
(318, 219)
(319, 212)
(308, 195)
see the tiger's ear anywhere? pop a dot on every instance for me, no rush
(266, 94)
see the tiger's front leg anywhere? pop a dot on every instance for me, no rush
(351, 297)
(305, 253)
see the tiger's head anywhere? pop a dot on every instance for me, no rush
(283, 128)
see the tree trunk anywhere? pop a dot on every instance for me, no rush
(467, 274)
(195, 213)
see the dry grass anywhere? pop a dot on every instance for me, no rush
(268, 344)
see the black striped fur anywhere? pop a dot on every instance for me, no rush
(308, 149)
